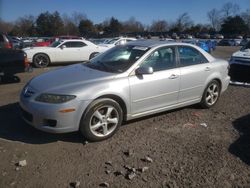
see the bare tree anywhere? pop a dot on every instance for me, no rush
(183, 22)
(106, 22)
(132, 25)
(5, 27)
(71, 22)
(159, 26)
(215, 19)
(246, 17)
(230, 9)
(69, 26)
(25, 26)
(77, 17)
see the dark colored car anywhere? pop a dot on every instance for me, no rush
(240, 65)
(226, 42)
(204, 36)
(12, 62)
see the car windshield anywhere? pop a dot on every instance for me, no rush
(55, 44)
(112, 41)
(117, 59)
(247, 46)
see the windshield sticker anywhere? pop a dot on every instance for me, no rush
(140, 48)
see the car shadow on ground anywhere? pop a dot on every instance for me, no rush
(241, 147)
(10, 79)
(13, 128)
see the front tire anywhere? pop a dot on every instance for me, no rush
(211, 94)
(41, 60)
(93, 55)
(101, 120)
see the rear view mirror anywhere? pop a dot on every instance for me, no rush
(144, 70)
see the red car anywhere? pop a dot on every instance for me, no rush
(68, 37)
(47, 42)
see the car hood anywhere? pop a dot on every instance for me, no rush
(245, 53)
(106, 45)
(68, 79)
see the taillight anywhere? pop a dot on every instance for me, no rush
(26, 63)
(28, 67)
(8, 45)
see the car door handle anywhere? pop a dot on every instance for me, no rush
(207, 69)
(173, 76)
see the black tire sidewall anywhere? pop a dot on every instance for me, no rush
(93, 55)
(203, 100)
(84, 124)
(37, 65)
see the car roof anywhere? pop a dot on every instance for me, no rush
(150, 43)
(77, 40)
(160, 43)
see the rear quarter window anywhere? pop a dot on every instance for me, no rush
(190, 56)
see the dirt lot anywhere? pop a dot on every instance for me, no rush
(184, 153)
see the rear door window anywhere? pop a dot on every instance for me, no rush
(74, 44)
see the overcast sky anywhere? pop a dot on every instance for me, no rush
(98, 10)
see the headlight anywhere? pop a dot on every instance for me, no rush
(54, 98)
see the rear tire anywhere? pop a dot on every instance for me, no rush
(41, 60)
(101, 120)
(211, 94)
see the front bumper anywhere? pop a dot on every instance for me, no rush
(225, 84)
(46, 117)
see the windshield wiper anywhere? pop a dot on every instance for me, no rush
(99, 65)
(106, 67)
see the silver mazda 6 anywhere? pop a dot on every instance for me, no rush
(126, 82)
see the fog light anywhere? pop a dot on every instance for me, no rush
(50, 122)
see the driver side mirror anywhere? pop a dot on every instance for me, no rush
(63, 46)
(144, 70)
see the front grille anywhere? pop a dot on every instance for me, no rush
(240, 73)
(50, 122)
(26, 115)
(242, 60)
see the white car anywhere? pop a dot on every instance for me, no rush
(63, 51)
(240, 65)
(116, 41)
(96, 97)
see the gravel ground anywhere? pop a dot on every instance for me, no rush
(188, 147)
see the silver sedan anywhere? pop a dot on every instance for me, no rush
(126, 82)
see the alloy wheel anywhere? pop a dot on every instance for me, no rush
(212, 94)
(104, 121)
